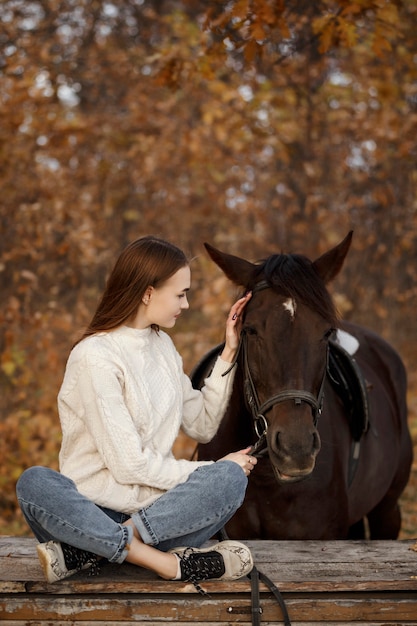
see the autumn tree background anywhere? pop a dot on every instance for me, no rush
(259, 126)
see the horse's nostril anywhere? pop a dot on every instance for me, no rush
(278, 440)
(316, 441)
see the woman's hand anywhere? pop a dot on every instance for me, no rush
(233, 326)
(242, 458)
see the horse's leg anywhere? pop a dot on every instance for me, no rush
(385, 520)
(357, 531)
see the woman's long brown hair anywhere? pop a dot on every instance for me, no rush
(148, 261)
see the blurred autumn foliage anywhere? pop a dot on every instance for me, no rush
(256, 125)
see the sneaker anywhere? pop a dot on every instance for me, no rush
(59, 560)
(226, 560)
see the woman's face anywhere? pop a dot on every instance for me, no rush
(162, 305)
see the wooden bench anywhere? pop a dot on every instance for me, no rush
(331, 582)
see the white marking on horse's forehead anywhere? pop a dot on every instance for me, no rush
(290, 305)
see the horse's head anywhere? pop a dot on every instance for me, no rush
(283, 355)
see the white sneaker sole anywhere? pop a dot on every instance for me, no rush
(44, 555)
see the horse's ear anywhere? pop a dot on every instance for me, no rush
(238, 270)
(330, 263)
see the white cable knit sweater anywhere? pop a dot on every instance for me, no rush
(122, 402)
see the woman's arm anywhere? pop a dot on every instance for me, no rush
(203, 410)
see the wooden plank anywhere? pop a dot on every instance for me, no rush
(153, 623)
(293, 566)
(198, 623)
(320, 608)
(297, 551)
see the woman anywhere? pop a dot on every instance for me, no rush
(120, 494)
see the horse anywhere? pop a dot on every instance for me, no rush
(319, 476)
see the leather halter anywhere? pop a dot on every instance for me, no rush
(257, 409)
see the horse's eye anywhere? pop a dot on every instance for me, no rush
(250, 330)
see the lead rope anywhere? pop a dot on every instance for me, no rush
(255, 576)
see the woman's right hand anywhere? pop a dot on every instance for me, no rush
(242, 458)
(233, 328)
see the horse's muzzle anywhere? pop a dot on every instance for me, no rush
(285, 479)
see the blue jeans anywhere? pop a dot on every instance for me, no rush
(187, 515)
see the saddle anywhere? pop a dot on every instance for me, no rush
(343, 373)
(204, 366)
(347, 380)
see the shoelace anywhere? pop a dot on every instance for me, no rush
(199, 566)
(76, 559)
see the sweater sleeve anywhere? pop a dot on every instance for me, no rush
(205, 408)
(110, 430)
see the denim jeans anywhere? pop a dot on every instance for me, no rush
(187, 515)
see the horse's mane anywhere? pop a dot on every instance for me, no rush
(294, 276)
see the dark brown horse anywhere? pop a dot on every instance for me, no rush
(315, 479)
